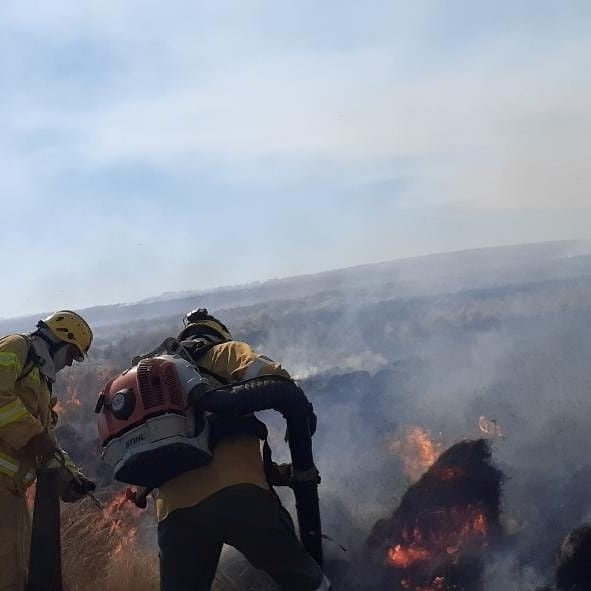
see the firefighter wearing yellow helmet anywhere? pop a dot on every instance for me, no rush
(28, 367)
(69, 327)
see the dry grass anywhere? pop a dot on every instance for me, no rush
(101, 550)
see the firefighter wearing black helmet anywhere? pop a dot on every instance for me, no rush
(228, 501)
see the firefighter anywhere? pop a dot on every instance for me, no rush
(28, 367)
(228, 501)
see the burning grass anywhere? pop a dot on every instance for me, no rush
(417, 450)
(102, 550)
(434, 540)
(99, 549)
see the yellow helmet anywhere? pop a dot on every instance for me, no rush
(70, 327)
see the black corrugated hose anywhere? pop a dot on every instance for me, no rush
(285, 396)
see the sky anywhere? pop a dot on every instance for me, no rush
(148, 147)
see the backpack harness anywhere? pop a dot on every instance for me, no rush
(224, 426)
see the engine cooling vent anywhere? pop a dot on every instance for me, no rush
(173, 385)
(150, 384)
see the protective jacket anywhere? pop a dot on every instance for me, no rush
(237, 459)
(25, 411)
(26, 403)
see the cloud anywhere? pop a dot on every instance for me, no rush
(468, 115)
(505, 126)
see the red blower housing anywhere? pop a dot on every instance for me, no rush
(149, 432)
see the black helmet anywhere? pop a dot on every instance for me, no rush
(200, 323)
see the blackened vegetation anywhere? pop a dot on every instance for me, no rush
(436, 538)
(573, 569)
(574, 563)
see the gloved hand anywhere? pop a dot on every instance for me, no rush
(42, 447)
(279, 474)
(78, 487)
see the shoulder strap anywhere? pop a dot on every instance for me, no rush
(215, 376)
(32, 360)
(226, 426)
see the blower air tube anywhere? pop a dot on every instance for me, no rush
(286, 397)
(262, 393)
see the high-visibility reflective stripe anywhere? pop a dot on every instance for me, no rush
(12, 412)
(8, 465)
(34, 376)
(57, 462)
(29, 478)
(68, 460)
(8, 359)
(253, 370)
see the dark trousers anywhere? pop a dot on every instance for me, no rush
(244, 516)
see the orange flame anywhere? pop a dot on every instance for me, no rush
(71, 402)
(418, 451)
(123, 516)
(74, 400)
(459, 529)
(449, 473)
(404, 557)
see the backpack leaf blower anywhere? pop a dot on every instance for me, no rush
(153, 424)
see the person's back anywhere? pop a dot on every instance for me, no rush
(237, 459)
(228, 500)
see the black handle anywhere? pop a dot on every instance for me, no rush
(45, 567)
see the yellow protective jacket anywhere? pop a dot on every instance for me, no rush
(236, 460)
(25, 411)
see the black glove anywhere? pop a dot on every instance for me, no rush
(78, 487)
(278, 474)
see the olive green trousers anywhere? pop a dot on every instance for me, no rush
(15, 535)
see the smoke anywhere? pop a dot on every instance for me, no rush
(535, 151)
(379, 357)
(515, 354)
(508, 574)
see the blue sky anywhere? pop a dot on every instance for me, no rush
(150, 147)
